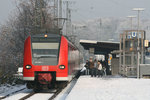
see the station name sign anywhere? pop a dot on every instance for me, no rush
(133, 34)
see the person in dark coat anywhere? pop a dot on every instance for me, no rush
(91, 66)
(87, 67)
(87, 64)
(95, 68)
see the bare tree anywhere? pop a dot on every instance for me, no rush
(31, 17)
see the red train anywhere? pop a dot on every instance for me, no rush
(49, 59)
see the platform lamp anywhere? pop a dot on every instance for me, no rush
(138, 48)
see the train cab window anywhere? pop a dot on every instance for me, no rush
(45, 52)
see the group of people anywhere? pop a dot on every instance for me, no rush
(95, 68)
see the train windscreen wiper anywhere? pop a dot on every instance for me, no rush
(44, 56)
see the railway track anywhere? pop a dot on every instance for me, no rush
(30, 95)
(50, 95)
(43, 96)
(27, 96)
(57, 92)
(12, 93)
(71, 83)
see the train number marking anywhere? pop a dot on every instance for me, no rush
(45, 68)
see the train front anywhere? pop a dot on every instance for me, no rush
(43, 62)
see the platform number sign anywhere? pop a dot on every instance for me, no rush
(91, 50)
(134, 34)
(146, 43)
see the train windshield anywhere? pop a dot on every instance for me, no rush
(45, 51)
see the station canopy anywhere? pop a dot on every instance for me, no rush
(99, 47)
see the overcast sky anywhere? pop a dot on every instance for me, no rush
(6, 8)
(90, 9)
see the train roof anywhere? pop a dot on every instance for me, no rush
(55, 35)
(46, 34)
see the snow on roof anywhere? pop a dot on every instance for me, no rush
(108, 42)
(95, 42)
(88, 41)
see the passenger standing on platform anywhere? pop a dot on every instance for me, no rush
(91, 65)
(95, 68)
(87, 67)
(100, 69)
(104, 71)
(104, 67)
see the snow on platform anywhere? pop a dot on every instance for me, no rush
(110, 88)
(66, 91)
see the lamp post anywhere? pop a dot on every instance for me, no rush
(138, 47)
(131, 18)
(132, 53)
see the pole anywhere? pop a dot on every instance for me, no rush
(132, 54)
(56, 11)
(138, 58)
(60, 13)
(99, 34)
(67, 16)
(138, 47)
(131, 23)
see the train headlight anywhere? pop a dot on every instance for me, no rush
(45, 35)
(62, 67)
(28, 67)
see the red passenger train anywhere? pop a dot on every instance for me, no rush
(49, 59)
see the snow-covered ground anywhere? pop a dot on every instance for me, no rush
(110, 88)
(93, 88)
(41, 96)
(66, 91)
(19, 95)
(7, 89)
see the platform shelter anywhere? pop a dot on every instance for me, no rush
(101, 48)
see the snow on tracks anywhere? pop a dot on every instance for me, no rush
(28, 94)
(6, 91)
(19, 95)
(40, 96)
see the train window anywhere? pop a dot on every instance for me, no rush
(41, 39)
(45, 53)
(45, 45)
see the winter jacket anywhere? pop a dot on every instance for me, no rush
(87, 65)
(100, 67)
(91, 64)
